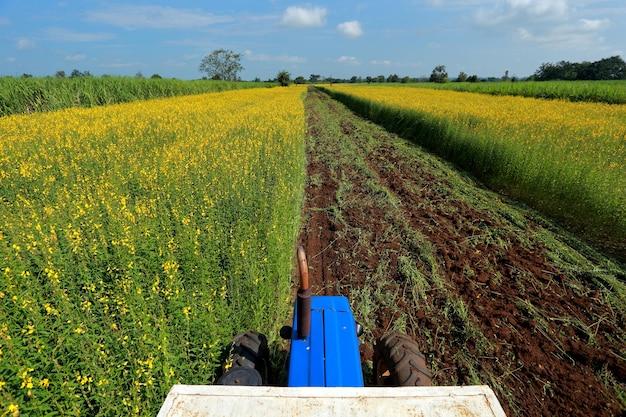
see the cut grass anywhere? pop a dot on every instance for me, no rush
(570, 166)
(411, 286)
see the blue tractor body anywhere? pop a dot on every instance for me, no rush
(329, 355)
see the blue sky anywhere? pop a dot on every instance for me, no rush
(339, 39)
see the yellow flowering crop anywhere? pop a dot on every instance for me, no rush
(136, 239)
(568, 159)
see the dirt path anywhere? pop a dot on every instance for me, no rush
(490, 295)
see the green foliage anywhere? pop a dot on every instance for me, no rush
(222, 64)
(137, 240)
(283, 78)
(28, 95)
(613, 68)
(612, 92)
(439, 74)
(551, 182)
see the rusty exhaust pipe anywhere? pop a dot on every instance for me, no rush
(304, 297)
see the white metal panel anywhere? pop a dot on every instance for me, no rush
(222, 401)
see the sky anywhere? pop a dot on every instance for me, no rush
(331, 38)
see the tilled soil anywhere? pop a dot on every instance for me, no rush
(490, 295)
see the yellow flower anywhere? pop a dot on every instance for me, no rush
(13, 410)
(44, 383)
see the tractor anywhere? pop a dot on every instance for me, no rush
(325, 376)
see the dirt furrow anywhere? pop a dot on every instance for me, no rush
(475, 280)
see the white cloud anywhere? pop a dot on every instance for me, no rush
(155, 17)
(303, 17)
(65, 35)
(291, 59)
(351, 29)
(24, 43)
(385, 62)
(584, 34)
(594, 24)
(549, 8)
(522, 11)
(75, 57)
(348, 60)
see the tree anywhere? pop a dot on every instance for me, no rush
(506, 76)
(393, 78)
(472, 78)
(26, 75)
(299, 80)
(368, 79)
(222, 64)
(439, 74)
(75, 73)
(283, 78)
(405, 79)
(612, 68)
(155, 77)
(139, 75)
(462, 77)
(314, 78)
(60, 74)
(380, 79)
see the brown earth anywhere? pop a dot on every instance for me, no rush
(538, 336)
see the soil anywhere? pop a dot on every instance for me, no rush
(541, 335)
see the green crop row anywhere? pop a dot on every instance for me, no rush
(28, 95)
(565, 159)
(612, 92)
(137, 239)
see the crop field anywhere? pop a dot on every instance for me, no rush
(136, 239)
(612, 92)
(492, 292)
(28, 95)
(566, 159)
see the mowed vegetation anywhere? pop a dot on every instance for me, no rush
(137, 239)
(567, 159)
(28, 95)
(491, 295)
(612, 92)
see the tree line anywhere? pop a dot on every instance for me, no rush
(612, 68)
(223, 64)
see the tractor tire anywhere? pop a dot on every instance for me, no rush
(250, 350)
(399, 363)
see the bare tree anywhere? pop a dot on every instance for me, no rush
(222, 64)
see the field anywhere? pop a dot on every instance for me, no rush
(28, 95)
(136, 239)
(566, 159)
(612, 92)
(492, 292)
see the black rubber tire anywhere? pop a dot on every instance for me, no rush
(399, 363)
(250, 350)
